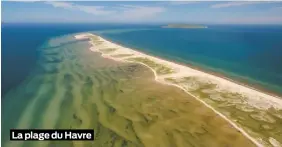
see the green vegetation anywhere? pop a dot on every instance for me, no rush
(107, 50)
(257, 122)
(121, 55)
(96, 40)
(171, 80)
(187, 26)
(159, 68)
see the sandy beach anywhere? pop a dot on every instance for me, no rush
(175, 72)
(181, 71)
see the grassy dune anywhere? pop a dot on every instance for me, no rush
(122, 102)
(160, 69)
(107, 50)
(96, 40)
(122, 55)
(264, 124)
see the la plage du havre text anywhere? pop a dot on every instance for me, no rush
(55, 135)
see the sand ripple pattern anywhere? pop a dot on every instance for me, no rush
(73, 87)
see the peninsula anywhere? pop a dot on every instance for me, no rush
(239, 105)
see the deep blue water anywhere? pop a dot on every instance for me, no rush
(251, 54)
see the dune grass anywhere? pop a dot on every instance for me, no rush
(259, 123)
(96, 40)
(122, 55)
(159, 68)
(107, 50)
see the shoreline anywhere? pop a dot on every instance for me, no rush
(227, 82)
(252, 86)
(271, 100)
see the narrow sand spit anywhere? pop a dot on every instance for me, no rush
(254, 98)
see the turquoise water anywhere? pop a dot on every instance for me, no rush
(71, 87)
(21, 41)
(250, 54)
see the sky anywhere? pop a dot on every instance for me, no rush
(208, 12)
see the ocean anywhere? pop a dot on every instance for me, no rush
(250, 54)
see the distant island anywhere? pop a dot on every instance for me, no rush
(187, 26)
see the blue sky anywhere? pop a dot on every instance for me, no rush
(222, 12)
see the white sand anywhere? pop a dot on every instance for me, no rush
(274, 142)
(254, 98)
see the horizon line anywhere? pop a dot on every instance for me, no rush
(142, 23)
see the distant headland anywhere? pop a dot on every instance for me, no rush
(185, 26)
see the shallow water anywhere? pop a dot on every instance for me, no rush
(73, 87)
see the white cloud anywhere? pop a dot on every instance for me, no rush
(60, 4)
(120, 13)
(182, 2)
(95, 10)
(132, 12)
(238, 3)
